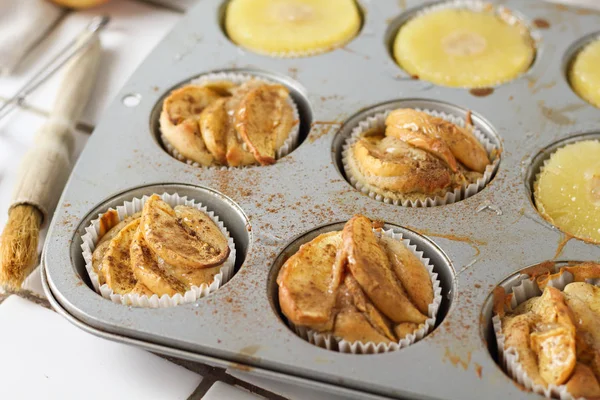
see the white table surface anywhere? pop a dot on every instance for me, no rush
(41, 354)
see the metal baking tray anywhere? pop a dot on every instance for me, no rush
(475, 244)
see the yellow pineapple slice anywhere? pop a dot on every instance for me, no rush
(463, 48)
(585, 73)
(567, 192)
(282, 27)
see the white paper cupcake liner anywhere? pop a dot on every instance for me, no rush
(330, 342)
(91, 238)
(290, 143)
(377, 121)
(526, 289)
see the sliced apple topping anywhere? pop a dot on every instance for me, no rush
(160, 250)
(264, 120)
(446, 140)
(557, 335)
(344, 283)
(116, 266)
(191, 240)
(369, 264)
(306, 293)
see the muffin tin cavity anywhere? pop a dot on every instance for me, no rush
(374, 116)
(514, 290)
(572, 52)
(538, 161)
(297, 94)
(509, 16)
(442, 266)
(228, 212)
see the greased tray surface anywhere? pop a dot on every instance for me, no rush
(477, 242)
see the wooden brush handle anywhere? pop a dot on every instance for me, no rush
(46, 166)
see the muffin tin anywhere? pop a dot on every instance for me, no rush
(474, 243)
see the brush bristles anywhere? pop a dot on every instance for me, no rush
(18, 245)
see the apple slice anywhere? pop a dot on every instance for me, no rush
(116, 266)
(517, 331)
(555, 349)
(264, 120)
(583, 383)
(362, 304)
(411, 273)
(152, 271)
(306, 293)
(370, 266)
(185, 237)
(214, 124)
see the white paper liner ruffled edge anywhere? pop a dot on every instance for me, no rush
(330, 342)
(290, 143)
(90, 238)
(539, 206)
(525, 290)
(377, 121)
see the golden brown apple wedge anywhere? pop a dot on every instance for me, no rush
(379, 322)
(188, 240)
(179, 121)
(214, 123)
(370, 266)
(151, 271)
(552, 309)
(116, 266)
(583, 383)
(393, 165)
(352, 325)
(517, 330)
(404, 329)
(411, 273)
(443, 138)
(264, 120)
(306, 293)
(555, 350)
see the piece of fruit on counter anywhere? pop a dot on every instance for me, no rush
(292, 27)
(557, 335)
(417, 156)
(356, 285)
(567, 191)
(223, 123)
(79, 3)
(162, 250)
(463, 48)
(584, 73)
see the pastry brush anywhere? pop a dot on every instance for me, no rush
(45, 168)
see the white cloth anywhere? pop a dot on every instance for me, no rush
(43, 356)
(22, 24)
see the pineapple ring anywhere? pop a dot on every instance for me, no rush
(463, 48)
(291, 27)
(585, 75)
(567, 190)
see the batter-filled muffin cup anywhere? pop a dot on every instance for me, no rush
(464, 44)
(292, 28)
(418, 158)
(567, 189)
(361, 319)
(228, 120)
(158, 251)
(583, 72)
(546, 330)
